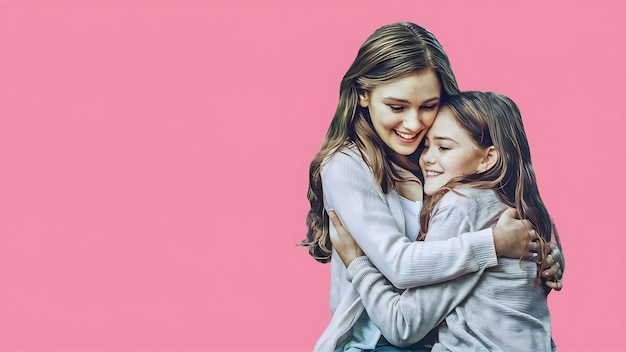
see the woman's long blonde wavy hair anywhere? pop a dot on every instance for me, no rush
(491, 119)
(391, 52)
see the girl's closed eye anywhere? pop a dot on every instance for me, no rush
(430, 107)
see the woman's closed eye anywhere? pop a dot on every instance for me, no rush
(396, 108)
(430, 107)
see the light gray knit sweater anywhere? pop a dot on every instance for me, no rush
(503, 308)
(376, 221)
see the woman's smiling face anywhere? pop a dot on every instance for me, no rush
(403, 109)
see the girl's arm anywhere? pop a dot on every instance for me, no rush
(350, 189)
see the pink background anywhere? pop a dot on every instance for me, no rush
(154, 161)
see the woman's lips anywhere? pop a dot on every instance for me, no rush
(408, 137)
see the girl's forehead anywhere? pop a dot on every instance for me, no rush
(445, 125)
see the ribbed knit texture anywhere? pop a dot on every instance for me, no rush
(497, 309)
(376, 222)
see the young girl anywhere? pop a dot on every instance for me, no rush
(388, 99)
(476, 163)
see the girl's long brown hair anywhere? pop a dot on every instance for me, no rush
(390, 53)
(493, 119)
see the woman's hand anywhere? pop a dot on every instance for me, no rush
(555, 264)
(512, 237)
(344, 244)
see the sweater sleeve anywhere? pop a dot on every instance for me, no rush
(349, 188)
(407, 317)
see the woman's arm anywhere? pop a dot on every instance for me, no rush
(349, 250)
(406, 318)
(350, 189)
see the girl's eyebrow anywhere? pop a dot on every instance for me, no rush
(443, 138)
(400, 100)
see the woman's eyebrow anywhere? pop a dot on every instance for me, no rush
(401, 100)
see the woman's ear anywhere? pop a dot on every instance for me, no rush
(489, 159)
(364, 99)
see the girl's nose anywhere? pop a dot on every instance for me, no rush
(428, 157)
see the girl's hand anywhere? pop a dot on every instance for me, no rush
(514, 238)
(344, 244)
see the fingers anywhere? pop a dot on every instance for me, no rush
(334, 219)
(510, 213)
(555, 285)
(557, 254)
(532, 234)
(533, 247)
(547, 250)
(340, 231)
(553, 271)
(553, 274)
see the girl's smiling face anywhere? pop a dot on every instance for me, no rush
(403, 109)
(449, 153)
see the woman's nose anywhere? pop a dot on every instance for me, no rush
(411, 121)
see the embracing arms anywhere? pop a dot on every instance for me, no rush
(405, 318)
(350, 189)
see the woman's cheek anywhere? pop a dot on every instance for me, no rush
(429, 119)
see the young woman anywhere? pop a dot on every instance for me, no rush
(388, 99)
(476, 164)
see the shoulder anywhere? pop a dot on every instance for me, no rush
(344, 158)
(465, 197)
(343, 153)
(472, 202)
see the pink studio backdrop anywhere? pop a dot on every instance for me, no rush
(154, 161)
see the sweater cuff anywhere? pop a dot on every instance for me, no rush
(357, 264)
(484, 249)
